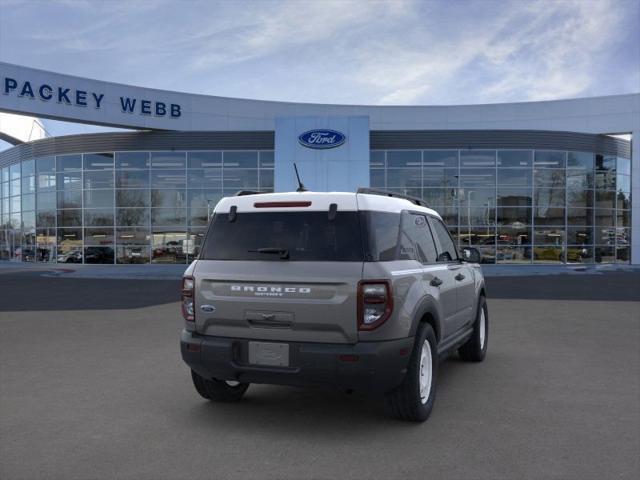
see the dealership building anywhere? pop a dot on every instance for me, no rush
(536, 182)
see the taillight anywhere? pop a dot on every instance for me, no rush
(375, 303)
(188, 298)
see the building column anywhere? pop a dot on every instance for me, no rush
(635, 197)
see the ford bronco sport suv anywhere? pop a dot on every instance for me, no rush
(358, 290)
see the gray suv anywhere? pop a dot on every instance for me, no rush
(358, 290)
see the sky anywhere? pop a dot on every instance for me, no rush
(396, 52)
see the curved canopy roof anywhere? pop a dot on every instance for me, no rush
(44, 94)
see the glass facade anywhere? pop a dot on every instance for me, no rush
(520, 206)
(515, 206)
(120, 207)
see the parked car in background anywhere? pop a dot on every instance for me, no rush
(72, 256)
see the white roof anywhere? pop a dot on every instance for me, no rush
(320, 201)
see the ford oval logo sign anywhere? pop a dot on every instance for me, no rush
(322, 138)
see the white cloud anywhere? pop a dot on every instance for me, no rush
(404, 95)
(386, 52)
(533, 51)
(267, 31)
(552, 55)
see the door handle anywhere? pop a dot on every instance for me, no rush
(436, 282)
(459, 277)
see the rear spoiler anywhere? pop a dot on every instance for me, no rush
(385, 193)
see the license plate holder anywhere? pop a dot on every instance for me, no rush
(269, 354)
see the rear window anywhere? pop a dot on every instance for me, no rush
(285, 236)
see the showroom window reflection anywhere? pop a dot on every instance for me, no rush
(515, 206)
(520, 206)
(120, 207)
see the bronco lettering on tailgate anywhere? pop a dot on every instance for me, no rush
(269, 291)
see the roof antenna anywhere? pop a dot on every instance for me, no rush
(301, 187)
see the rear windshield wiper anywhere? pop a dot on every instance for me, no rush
(283, 252)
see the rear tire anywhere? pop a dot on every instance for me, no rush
(476, 347)
(218, 390)
(413, 399)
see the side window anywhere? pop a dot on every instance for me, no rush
(381, 230)
(415, 239)
(447, 251)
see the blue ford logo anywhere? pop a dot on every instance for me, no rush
(322, 138)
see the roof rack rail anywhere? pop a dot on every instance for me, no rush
(385, 193)
(242, 193)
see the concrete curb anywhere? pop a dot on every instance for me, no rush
(141, 272)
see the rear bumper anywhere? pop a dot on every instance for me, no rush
(380, 366)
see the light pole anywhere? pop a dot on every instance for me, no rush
(487, 213)
(469, 216)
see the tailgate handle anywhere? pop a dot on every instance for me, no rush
(269, 319)
(270, 323)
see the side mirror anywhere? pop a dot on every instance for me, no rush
(444, 257)
(471, 255)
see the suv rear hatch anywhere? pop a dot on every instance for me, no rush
(280, 272)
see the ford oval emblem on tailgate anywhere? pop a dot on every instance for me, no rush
(208, 308)
(322, 138)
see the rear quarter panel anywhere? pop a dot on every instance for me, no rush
(408, 293)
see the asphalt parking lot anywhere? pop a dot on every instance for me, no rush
(92, 387)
